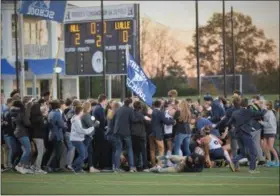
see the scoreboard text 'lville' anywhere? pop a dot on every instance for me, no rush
(122, 26)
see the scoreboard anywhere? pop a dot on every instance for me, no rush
(83, 46)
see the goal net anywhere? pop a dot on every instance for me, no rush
(215, 84)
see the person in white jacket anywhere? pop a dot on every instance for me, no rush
(269, 124)
(77, 137)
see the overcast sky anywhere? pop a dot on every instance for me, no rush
(181, 14)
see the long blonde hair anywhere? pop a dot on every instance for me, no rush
(185, 112)
(86, 107)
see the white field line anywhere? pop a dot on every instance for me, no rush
(250, 176)
(137, 183)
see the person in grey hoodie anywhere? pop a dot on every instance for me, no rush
(87, 122)
(77, 137)
(270, 129)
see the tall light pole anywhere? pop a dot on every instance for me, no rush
(233, 51)
(16, 43)
(103, 48)
(197, 51)
(224, 49)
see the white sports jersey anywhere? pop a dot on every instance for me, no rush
(214, 143)
(168, 128)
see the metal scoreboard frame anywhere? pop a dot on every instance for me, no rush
(78, 19)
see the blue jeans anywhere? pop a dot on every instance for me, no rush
(184, 139)
(82, 154)
(26, 148)
(112, 139)
(89, 146)
(119, 147)
(11, 143)
(70, 149)
(246, 141)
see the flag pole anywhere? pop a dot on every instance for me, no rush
(21, 46)
(16, 44)
(57, 74)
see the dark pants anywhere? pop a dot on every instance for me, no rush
(112, 140)
(246, 142)
(99, 140)
(119, 139)
(82, 155)
(139, 145)
(89, 146)
(54, 161)
(48, 153)
(108, 150)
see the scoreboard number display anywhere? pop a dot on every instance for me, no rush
(83, 46)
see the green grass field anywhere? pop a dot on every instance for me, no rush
(210, 181)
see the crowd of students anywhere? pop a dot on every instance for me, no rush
(175, 135)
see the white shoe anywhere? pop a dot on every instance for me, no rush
(146, 170)
(254, 171)
(242, 161)
(20, 169)
(155, 168)
(40, 171)
(32, 167)
(29, 171)
(93, 170)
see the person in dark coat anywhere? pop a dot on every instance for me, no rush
(56, 125)
(38, 114)
(241, 119)
(110, 130)
(258, 134)
(99, 138)
(21, 133)
(138, 136)
(157, 126)
(122, 122)
(217, 111)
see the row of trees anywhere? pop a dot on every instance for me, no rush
(254, 53)
(168, 62)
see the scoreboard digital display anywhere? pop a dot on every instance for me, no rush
(83, 46)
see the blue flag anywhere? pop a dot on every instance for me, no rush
(138, 82)
(48, 10)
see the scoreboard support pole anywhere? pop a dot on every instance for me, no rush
(109, 86)
(103, 48)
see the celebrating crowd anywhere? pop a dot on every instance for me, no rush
(174, 135)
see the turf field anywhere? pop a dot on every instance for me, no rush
(210, 181)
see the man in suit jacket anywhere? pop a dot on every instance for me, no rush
(121, 124)
(241, 119)
(157, 126)
(100, 149)
(56, 125)
(217, 111)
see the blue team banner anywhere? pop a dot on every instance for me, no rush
(138, 82)
(48, 10)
